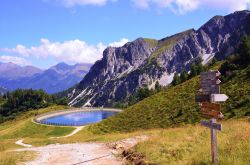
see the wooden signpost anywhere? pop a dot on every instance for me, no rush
(218, 97)
(208, 95)
(202, 98)
(212, 106)
(208, 114)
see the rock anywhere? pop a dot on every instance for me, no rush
(123, 70)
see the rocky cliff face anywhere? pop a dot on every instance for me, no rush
(142, 62)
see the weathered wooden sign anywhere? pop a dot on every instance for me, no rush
(212, 125)
(211, 82)
(209, 89)
(218, 97)
(209, 113)
(213, 106)
(202, 98)
(211, 75)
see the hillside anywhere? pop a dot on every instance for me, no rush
(124, 70)
(176, 106)
(180, 145)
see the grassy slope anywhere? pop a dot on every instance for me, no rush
(166, 44)
(176, 145)
(23, 127)
(167, 108)
(39, 135)
(191, 145)
(238, 90)
(176, 106)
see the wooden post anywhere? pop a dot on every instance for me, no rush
(208, 96)
(214, 149)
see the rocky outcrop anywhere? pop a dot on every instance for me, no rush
(142, 62)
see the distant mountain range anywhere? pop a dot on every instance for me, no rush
(12, 71)
(53, 80)
(143, 62)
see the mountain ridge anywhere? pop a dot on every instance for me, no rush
(13, 71)
(123, 70)
(55, 79)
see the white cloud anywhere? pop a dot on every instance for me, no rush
(184, 6)
(72, 3)
(143, 4)
(73, 51)
(16, 60)
(119, 43)
(230, 5)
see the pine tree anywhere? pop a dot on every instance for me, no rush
(244, 50)
(176, 79)
(193, 71)
(157, 86)
(143, 93)
(184, 76)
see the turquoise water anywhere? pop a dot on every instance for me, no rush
(78, 118)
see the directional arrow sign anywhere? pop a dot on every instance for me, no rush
(215, 89)
(211, 75)
(202, 98)
(210, 82)
(218, 97)
(212, 106)
(218, 81)
(208, 113)
(212, 125)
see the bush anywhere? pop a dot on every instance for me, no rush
(23, 100)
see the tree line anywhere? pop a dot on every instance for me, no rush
(20, 100)
(196, 68)
(239, 60)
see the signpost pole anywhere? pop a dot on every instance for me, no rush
(214, 149)
(208, 96)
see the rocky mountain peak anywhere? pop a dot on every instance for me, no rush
(14, 71)
(144, 61)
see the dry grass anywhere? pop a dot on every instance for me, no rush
(23, 127)
(191, 145)
(10, 158)
(188, 144)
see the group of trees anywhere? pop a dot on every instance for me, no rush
(143, 93)
(13, 103)
(140, 94)
(237, 61)
(1, 100)
(196, 68)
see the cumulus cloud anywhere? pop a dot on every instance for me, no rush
(119, 43)
(72, 3)
(143, 4)
(16, 60)
(184, 6)
(176, 6)
(73, 51)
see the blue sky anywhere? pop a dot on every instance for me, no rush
(45, 32)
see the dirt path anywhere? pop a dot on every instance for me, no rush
(81, 153)
(72, 133)
(20, 142)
